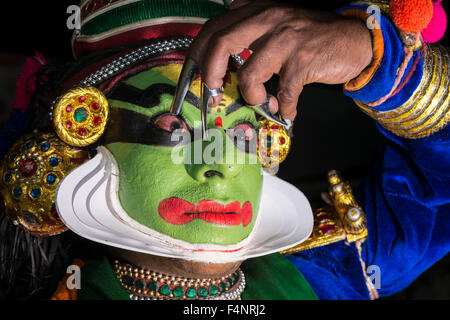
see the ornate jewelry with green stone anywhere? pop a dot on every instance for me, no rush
(144, 284)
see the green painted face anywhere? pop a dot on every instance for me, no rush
(197, 201)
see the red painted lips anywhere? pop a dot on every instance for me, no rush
(178, 211)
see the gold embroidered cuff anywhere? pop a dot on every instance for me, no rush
(427, 110)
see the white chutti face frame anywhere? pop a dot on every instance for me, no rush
(88, 203)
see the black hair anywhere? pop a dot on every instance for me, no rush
(31, 266)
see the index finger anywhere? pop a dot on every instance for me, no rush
(199, 46)
(230, 41)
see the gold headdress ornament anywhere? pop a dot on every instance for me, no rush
(274, 144)
(30, 174)
(80, 116)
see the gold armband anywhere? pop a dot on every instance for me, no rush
(342, 220)
(427, 110)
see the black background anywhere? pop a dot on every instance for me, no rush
(330, 132)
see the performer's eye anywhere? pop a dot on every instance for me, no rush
(242, 131)
(170, 123)
(244, 137)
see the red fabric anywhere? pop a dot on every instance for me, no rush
(175, 57)
(26, 84)
(93, 6)
(134, 36)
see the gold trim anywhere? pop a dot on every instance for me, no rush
(406, 108)
(422, 92)
(383, 4)
(344, 220)
(409, 104)
(350, 213)
(419, 110)
(434, 111)
(428, 109)
(318, 238)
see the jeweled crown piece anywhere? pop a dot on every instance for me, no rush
(274, 144)
(80, 116)
(30, 174)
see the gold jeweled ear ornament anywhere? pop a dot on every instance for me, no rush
(274, 143)
(30, 174)
(80, 116)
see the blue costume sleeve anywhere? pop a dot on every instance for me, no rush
(406, 198)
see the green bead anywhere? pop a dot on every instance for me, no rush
(178, 292)
(191, 292)
(128, 281)
(268, 141)
(202, 292)
(152, 286)
(222, 286)
(213, 290)
(80, 115)
(165, 290)
(235, 277)
(140, 284)
(230, 282)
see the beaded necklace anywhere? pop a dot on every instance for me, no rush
(144, 284)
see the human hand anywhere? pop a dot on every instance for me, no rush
(301, 46)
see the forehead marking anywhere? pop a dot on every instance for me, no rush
(218, 122)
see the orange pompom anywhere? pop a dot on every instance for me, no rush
(411, 15)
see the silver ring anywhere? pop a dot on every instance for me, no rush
(214, 92)
(228, 2)
(263, 110)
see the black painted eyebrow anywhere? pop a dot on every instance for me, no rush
(150, 97)
(235, 106)
(128, 126)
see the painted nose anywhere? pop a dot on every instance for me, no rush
(213, 172)
(215, 169)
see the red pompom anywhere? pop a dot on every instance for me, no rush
(411, 16)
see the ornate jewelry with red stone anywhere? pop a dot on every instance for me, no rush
(80, 116)
(274, 144)
(342, 220)
(29, 175)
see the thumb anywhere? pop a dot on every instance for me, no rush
(238, 3)
(288, 100)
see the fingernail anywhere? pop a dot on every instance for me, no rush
(273, 104)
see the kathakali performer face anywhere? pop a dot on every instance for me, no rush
(158, 186)
(196, 200)
(153, 183)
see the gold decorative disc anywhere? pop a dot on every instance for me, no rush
(80, 116)
(29, 176)
(274, 144)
